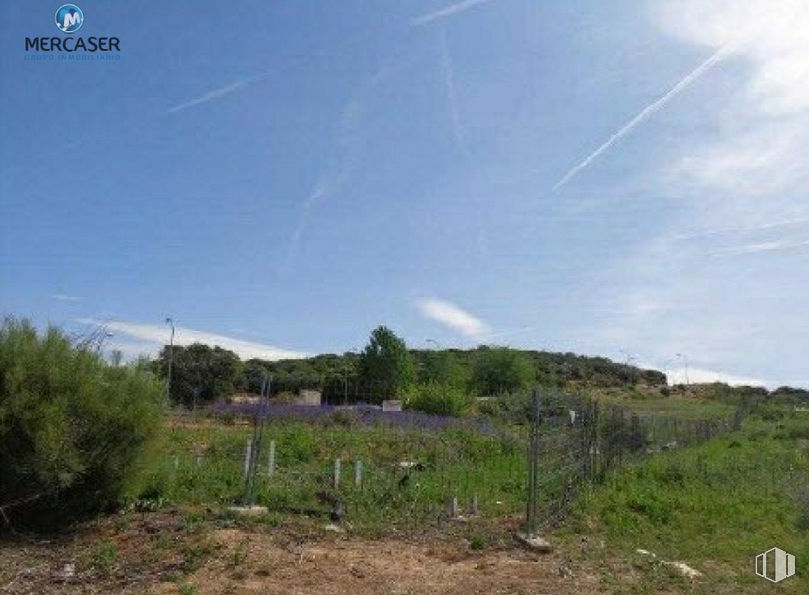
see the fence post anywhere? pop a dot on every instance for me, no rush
(271, 460)
(248, 453)
(337, 465)
(533, 464)
(358, 473)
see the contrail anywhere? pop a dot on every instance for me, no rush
(646, 113)
(347, 164)
(446, 12)
(217, 93)
(449, 81)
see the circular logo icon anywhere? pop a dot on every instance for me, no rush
(69, 18)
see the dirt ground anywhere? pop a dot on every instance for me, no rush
(389, 567)
(163, 554)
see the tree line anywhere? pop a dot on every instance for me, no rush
(386, 368)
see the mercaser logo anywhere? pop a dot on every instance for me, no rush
(69, 18)
(775, 565)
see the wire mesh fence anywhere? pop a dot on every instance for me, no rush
(577, 442)
(421, 475)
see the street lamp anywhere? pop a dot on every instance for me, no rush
(630, 363)
(170, 322)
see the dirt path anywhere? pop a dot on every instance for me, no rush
(250, 564)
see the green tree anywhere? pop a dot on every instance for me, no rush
(253, 373)
(498, 370)
(73, 427)
(386, 365)
(200, 374)
(440, 367)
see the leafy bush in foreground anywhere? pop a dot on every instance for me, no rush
(73, 428)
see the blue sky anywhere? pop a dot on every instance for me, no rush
(625, 179)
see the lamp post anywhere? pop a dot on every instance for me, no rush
(170, 322)
(630, 363)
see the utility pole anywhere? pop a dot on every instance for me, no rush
(170, 322)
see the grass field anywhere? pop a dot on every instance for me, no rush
(714, 506)
(407, 476)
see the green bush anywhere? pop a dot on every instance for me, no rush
(437, 399)
(73, 428)
(498, 370)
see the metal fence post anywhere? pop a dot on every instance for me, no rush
(337, 465)
(531, 520)
(271, 460)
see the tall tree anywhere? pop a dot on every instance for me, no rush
(386, 366)
(200, 374)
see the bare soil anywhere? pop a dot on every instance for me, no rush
(165, 554)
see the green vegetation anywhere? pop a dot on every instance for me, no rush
(73, 428)
(386, 368)
(199, 373)
(501, 370)
(407, 475)
(438, 399)
(386, 365)
(714, 506)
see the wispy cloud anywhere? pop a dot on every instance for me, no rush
(451, 316)
(772, 246)
(217, 93)
(63, 297)
(761, 137)
(736, 229)
(645, 113)
(149, 338)
(449, 82)
(348, 140)
(447, 12)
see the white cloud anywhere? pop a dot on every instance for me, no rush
(763, 133)
(452, 317)
(149, 338)
(447, 12)
(701, 375)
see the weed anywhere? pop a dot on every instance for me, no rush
(104, 557)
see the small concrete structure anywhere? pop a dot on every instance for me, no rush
(311, 398)
(394, 406)
(245, 399)
(535, 543)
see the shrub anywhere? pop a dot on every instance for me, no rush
(437, 399)
(73, 428)
(498, 370)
